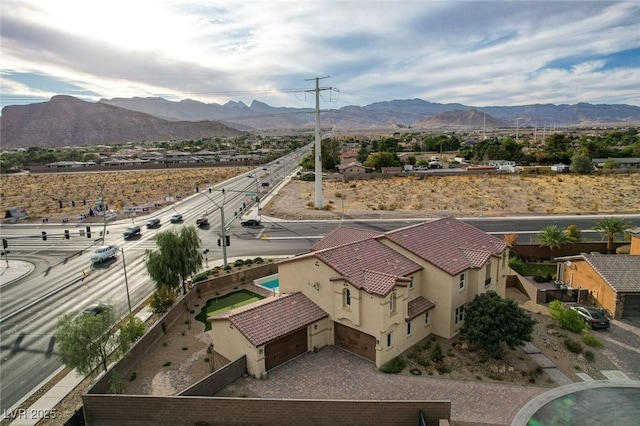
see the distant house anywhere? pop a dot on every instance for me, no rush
(351, 168)
(371, 293)
(613, 280)
(631, 163)
(348, 155)
(70, 164)
(391, 170)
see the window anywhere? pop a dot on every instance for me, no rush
(504, 259)
(462, 281)
(459, 315)
(487, 279)
(392, 303)
(346, 297)
(411, 284)
(409, 328)
(426, 318)
(389, 340)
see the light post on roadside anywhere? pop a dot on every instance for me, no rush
(126, 282)
(206, 258)
(255, 176)
(223, 236)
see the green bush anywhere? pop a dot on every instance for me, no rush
(589, 355)
(248, 262)
(516, 264)
(238, 263)
(592, 341)
(200, 277)
(572, 345)
(568, 319)
(442, 369)
(162, 299)
(227, 268)
(258, 260)
(436, 353)
(395, 366)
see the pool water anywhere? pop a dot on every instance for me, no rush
(225, 303)
(273, 284)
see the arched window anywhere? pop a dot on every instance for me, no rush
(346, 297)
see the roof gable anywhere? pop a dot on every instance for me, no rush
(344, 235)
(268, 321)
(449, 244)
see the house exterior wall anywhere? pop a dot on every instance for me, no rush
(581, 275)
(635, 245)
(320, 334)
(231, 344)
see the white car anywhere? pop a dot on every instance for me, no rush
(103, 253)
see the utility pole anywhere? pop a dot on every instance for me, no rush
(104, 214)
(318, 144)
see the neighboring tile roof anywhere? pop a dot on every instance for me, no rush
(369, 265)
(267, 322)
(344, 235)
(418, 306)
(448, 243)
(620, 271)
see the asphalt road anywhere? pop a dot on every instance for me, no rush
(31, 306)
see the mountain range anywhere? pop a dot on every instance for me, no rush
(65, 120)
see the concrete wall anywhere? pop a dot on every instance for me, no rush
(218, 380)
(581, 275)
(154, 411)
(537, 252)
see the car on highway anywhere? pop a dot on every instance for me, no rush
(250, 222)
(154, 222)
(176, 218)
(202, 222)
(93, 310)
(131, 232)
(103, 253)
(592, 316)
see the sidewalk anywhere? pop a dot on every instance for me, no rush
(15, 270)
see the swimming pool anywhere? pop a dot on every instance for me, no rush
(271, 283)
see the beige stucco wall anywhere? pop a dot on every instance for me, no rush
(232, 344)
(635, 245)
(320, 334)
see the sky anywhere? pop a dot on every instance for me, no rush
(478, 53)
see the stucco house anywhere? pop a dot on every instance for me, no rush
(351, 168)
(613, 280)
(374, 294)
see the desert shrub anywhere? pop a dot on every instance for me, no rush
(248, 262)
(132, 377)
(495, 376)
(227, 268)
(395, 366)
(591, 340)
(422, 361)
(200, 277)
(327, 207)
(568, 319)
(258, 260)
(572, 345)
(238, 263)
(338, 194)
(166, 364)
(539, 277)
(436, 353)
(443, 369)
(589, 355)
(308, 177)
(162, 299)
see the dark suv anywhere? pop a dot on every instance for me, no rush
(131, 231)
(153, 223)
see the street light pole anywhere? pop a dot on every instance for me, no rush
(104, 214)
(126, 282)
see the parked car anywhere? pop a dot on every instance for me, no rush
(131, 231)
(592, 316)
(176, 218)
(250, 222)
(153, 223)
(103, 253)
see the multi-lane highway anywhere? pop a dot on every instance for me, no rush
(65, 282)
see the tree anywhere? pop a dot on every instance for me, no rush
(581, 164)
(609, 227)
(383, 159)
(178, 256)
(85, 341)
(553, 237)
(574, 233)
(491, 320)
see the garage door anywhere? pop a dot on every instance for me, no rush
(355, 341)
(631, 306)
(285, 348)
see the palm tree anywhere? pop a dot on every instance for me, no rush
(609, 227)
(554, 237)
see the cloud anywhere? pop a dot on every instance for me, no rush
(473, 52)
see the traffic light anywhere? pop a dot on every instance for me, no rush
(59, 203)
(227, 240)
(209, 190)
(44, 236)
(197, 189)
(84, 202)
(5, 243)
(73, 203)
(218, 242)
(66, 234)
(88, 232)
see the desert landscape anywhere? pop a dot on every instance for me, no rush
(389, 197)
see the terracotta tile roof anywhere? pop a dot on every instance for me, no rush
(344, 235)
(620, 271)
(267, 322)
(369, 265)
(448, 243)
(418, 306)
